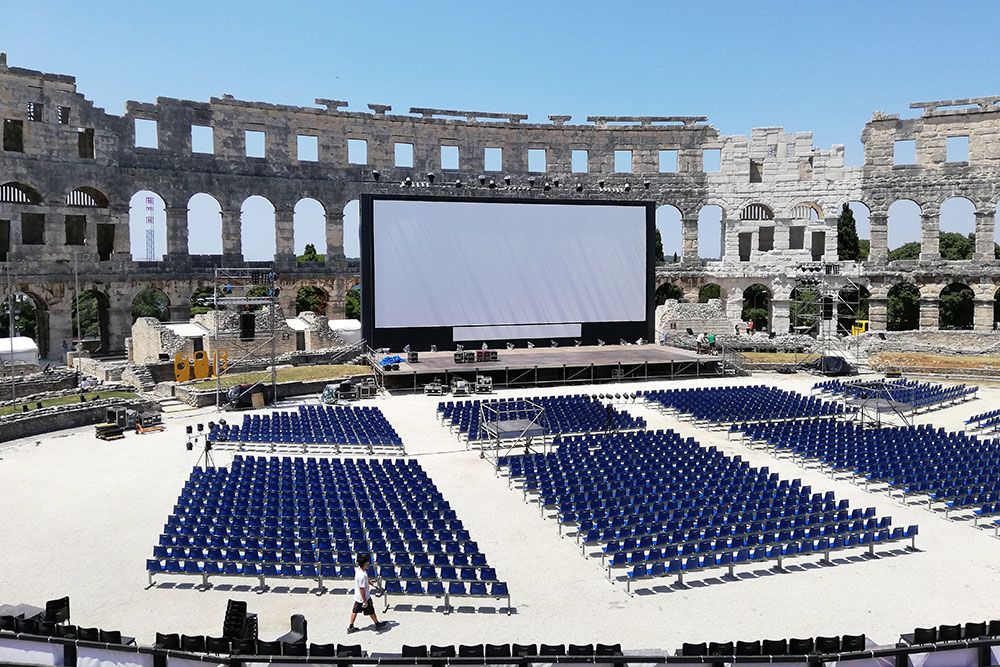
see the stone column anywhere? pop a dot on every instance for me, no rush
(878, 313)
(123, 243)
(689, 241)
(730, 241)
(755, 253)
(929, 312)
(177, 233)
(781, 318)
(119, 325)
(983, 313)
(232, 243)
(60, 326)
(831, 252)
(284, 237)
(733, 304)
(985, 222)
(180, 313)
(782, 234)
(335, 236)
(879, 249)
(930, 232)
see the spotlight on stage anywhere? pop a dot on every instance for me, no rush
(201, 428)
(482, 180)
(485, 347)
(375, 174)
(579, 188)
(622, 341)
(555, 182)
(628, 186)
(553, 343)
(600, 343)
(506, 180)
(430, 177)
(546, 187)
(618, 396)
(531, 345)
(458, 182)
(641, 341)
(459, 348)
(510, 346)
(600, 184)
(408, 182)
(434, 348)
(577, 343)
(493, 183)
(646, 184)
(531, 181)
(189, 446)
(188, 429)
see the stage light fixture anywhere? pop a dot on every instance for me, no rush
(617, 396)
(189, 446)
(579, 188)
(510, 346)
(188, 429)
(531, 181)
(531, 345)
(506, 180)
(546, 187)
(459, 348)
(201, 428)
(600, 184)
(577, 343)
(493, 183)
(482, 180)
(211, 426)
(408, 182)
(430, 177)
(553, 343)
(222, 422)
(600, 343)
(628, 187)
(458, 182)
(646, 184)
(434, 348)
(375, 174)
(555, 182)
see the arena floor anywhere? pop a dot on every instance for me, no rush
(79, 516)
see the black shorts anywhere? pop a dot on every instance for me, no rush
(366, 608)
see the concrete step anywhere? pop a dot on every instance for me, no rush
(174, 405)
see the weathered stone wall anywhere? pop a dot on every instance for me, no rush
(779, 195)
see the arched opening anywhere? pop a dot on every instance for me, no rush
(87, 197)
(204, 220)
(956, 307)
(851, 307)
(904, 230)
(90, 320)
(309, 222)
(958, 229)
(757, 307)
(805, 308)
(352, 229)
(30, 319)
(756, 212)
(668, 230)
(711, 238)
(147, 211)
(805, 211)
(903, 308)
(709, 291)
(310, 298)
(862, 224)
(352, 303)
(19, 193)
(151, 302)
(668, 291)
(257, 229)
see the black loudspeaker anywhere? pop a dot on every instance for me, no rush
(412, 357)
(459, 357)
(394, 367)
(470, 357)
(493, 355)
(247, 326)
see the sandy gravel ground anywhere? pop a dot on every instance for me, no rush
(79, 516)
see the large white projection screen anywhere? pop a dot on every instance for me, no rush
(449, 264)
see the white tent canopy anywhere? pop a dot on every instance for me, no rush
(20, 349)
(349, 330)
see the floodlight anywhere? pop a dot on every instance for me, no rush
(430, 177)
(375, 174)
(579, 188)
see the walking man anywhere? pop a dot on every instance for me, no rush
(699, 343)
(363, 596)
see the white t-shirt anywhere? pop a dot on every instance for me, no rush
(361, 582)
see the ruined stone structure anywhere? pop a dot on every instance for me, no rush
(69, 169)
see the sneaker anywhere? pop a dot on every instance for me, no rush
(382, 625)
(351, 628)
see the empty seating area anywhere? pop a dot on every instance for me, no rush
(578, 413)
(723, 405)
(989, 421)
(954, 469)
(312, 428)
(917, 395)
(772, 647)
(586, 651)
(307, 519)
(654, 504)
(952, 633)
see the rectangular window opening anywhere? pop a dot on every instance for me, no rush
(202, 139)
(668, 161)
(357, 151)
(796, 238)
(958, 149)
(745, 245)
(756, 171)
(256, 141)
(105, 240)
(35, 112)
(403, 154)
(145, 133)
(4, 239)
(580, 160)
(76, 230)
(308, 147)
(493, 159)
(33, 229)
(711, 159)
(449, 157)
(623, 162)
(765, 239)
(62, 115)
(85, 142)
(13, 135)
(818, 245)
(536, 160)
(904, 152)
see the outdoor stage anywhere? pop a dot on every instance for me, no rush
(556, 366)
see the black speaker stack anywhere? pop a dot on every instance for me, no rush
(247, 326)
(412, 357)
(476, 356)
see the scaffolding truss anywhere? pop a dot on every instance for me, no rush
(506, 430)
(824, 296)
(878, 403)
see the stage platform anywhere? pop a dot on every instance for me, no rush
(556, 366)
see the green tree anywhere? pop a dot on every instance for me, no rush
(202, 300)
(668, 291)
(310, 254)
(25, 317)
(352, 304)
(676, 259)
(956, 307)
(150, 303)
(756, 299)
(848, 245)
(909, 250)
(312, 299)
(903, 309)
(954, 246)
(88, 315)
(659, 246)
(255, 292)
(709, 291)
(864, 247)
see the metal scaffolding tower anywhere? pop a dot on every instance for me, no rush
(824, 296)
(150, 231)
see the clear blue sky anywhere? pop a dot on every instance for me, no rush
(809, 66)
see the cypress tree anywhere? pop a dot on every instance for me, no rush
(848, 246)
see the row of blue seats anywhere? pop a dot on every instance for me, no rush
(910, 392)
(304, 555)
(745, 403)
(312, 424)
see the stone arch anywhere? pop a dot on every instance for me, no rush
(904, 225)
(806, 211)
(352, 228)
(711, 231)
(757, 306)
(862, 221)
(150, 302)
(257, 228)
(142, 206)
(13, 192)
(204, 221)
(709, 291)
(956, 307)
(957, 216)
(30, 318)
(668, 291)
(92, 319)
(668, 224)
(756, 212)
(903, 307)
(87, 197)
(309, 226)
